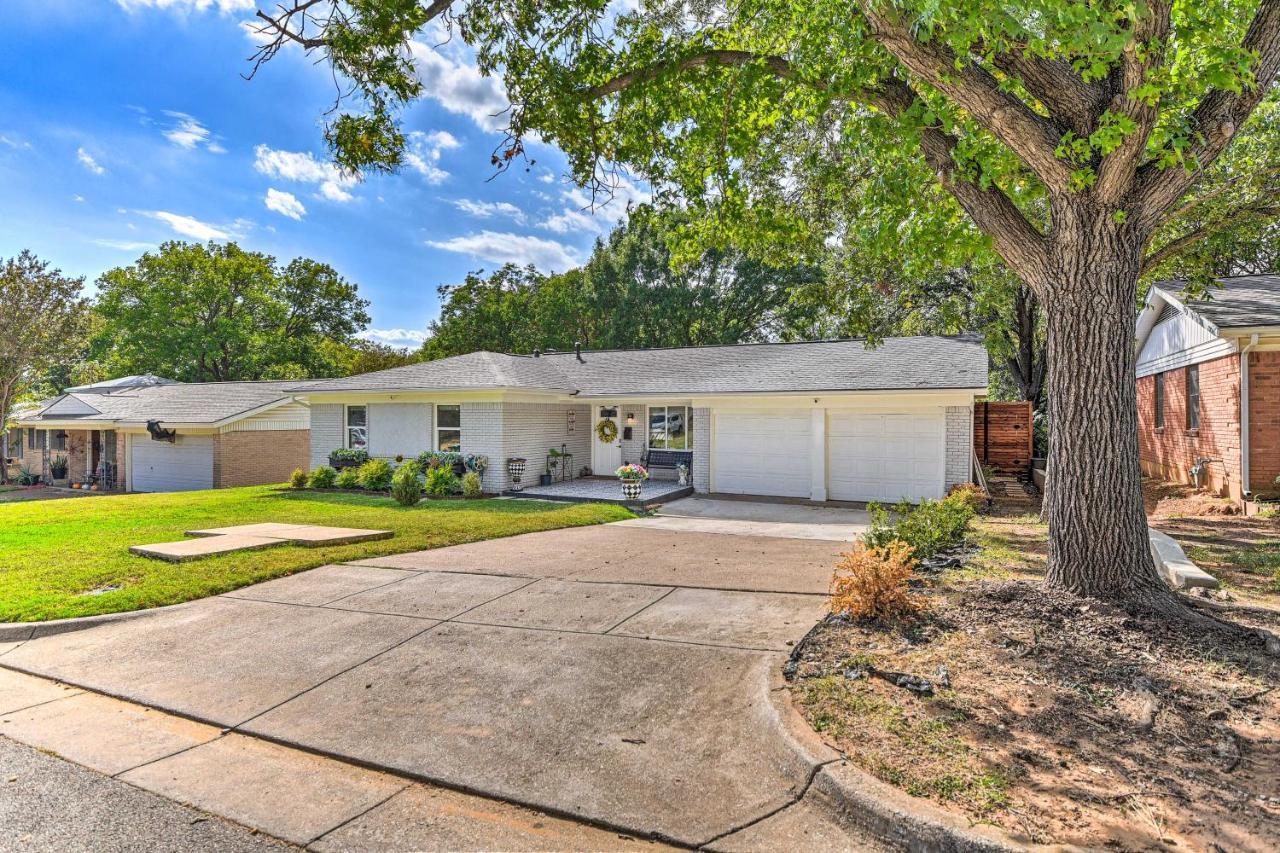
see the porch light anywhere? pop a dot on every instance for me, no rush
(631, 418)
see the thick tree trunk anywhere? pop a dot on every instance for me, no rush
(1097, 527)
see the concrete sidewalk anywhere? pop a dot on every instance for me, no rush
(623, 677)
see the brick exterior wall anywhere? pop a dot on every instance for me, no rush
(701, 473)
(258, 457)
(1170, 452)
(482, 435)
(959, 426)
(531, 429)
(1264, 421)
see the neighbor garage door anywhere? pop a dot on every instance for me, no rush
(158, 466)
(762, 453)
(885, 457)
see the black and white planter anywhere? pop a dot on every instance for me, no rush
(631, 489)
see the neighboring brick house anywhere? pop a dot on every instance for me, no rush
(1204, 369)
(146, 434)
(819, 420)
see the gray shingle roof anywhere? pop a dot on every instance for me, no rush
(915, 363)
(187, 403)
(1244, 300)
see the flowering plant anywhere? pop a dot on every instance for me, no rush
(632, 471)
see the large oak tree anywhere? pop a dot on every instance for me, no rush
(1065, 130)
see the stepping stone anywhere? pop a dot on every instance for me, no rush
(311, 535)
(195, 549)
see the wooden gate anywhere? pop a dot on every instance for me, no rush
(1002, 436)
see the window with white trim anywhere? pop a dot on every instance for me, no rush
(449, 428)
(1193, 397)
(357, 418)
(670, 427)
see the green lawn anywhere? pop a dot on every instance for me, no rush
(56, 556)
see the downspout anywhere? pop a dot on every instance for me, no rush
(1244, 415)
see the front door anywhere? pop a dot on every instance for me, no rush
(606, 456)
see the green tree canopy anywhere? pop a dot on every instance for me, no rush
(628, 294)
(216, 313)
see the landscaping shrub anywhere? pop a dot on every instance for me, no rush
(348, 478)
(406, 488)
(871, 583)
(928, 528)
(298, 479)
(471, 485)
(971, 494)
(441, 481)
(27, 477)
(322, 478)
(375, 475)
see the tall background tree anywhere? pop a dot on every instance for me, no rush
(43, 323)
(216, 313)
(629, 294)
(1066, 133)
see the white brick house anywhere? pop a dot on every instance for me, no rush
(823, 420)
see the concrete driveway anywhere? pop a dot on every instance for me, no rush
(626, 674)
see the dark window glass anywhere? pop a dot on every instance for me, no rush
(1193, 397)
(1159, 400)
(449, 428)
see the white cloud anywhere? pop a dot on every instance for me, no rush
(187, 132)
(79, 198)
(189, 226)
(488, 209)
(394, 337)
(123, 245)
(457, 84)
(506, 248)
(303, 167)
(599, 214)
(223, 6)
(86, 160)
(285, 204)
(14, 142)
(423, 150)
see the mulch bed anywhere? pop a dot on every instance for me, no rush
(1059, 719)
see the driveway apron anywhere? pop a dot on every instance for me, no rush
(619, 674)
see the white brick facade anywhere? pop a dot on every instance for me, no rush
(959, 445)
(701, 473)
(326, 432)
(531, 429)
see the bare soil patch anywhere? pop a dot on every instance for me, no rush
(1060, 719)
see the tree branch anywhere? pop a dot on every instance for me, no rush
(1180, 244)
(1216, 120)
(1027, 134)
(1056, 84)
(777, 65)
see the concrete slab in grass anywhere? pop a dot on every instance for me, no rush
(322, 585)
(104, 734)
(19, 691)
(758, 620)
(676, 739)
(428, 818)
(198, 549)
(270, 529)
(568, 606)
(221, 660)
(283, 792)
(432, 595)
(298, 534)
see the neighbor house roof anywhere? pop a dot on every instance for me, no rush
(195, 403)
(898, 364)
(139, 381)
(1241, 302)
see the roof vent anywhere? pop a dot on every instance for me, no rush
(577, 349)
(537, 353)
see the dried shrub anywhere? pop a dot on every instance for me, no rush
(871, 583)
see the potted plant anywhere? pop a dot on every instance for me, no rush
(515, 470)
(58, 467)
(632, 477)
(553, 462)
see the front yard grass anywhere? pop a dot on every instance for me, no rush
(66, 558)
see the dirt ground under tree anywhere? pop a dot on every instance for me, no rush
(1063, 720)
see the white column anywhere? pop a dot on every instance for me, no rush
(818, 454)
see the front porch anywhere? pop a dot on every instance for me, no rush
(604, 490)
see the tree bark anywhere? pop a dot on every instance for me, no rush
(1098, 542)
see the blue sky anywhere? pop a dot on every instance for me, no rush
(125, 123)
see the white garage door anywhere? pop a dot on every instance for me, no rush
(885, 457)
(762, 453)
(158, 466)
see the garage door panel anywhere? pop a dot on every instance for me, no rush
(885, 457)
(762, 453)
(158, 466)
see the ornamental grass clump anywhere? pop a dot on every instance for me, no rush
(375, 475)
(406, 488)
(871, 583)
(322, 478)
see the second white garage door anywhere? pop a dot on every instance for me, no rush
(885, 458)
(158, 466)
(762, 453)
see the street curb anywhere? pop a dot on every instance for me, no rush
(17, 632)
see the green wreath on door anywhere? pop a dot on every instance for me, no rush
(606, 431)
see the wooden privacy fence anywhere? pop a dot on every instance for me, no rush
(1002, 436)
